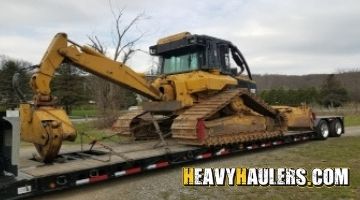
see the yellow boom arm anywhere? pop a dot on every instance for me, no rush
(45, 124)
(91, 61)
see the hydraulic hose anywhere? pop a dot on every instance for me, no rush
(240, 60)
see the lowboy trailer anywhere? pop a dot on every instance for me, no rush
(23, 176)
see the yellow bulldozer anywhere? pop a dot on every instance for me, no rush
(197, 98)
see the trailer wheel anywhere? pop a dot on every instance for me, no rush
(336, 128)
(322, 130)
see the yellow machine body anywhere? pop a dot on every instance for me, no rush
(209, 105)
(298, 118)
(181, 87)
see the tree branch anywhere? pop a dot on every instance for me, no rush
(96, 44)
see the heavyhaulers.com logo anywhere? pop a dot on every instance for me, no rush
(265, 177)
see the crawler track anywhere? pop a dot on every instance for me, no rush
(123, 124)
(185, 126)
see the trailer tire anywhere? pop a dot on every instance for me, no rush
(322, 130)
(336, 128)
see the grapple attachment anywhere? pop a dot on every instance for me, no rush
(46, 127)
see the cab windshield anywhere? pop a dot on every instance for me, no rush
(180, 63)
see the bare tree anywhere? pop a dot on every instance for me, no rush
(124, 48)
(109, 96)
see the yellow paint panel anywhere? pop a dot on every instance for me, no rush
(32, 129)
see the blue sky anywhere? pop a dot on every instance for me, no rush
(282, 37)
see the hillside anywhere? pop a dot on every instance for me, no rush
(350, 80)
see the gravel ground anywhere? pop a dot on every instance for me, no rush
(166, 184)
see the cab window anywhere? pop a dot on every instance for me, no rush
(180, 63)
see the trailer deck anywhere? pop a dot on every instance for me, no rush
(73, 168)
(99, 157)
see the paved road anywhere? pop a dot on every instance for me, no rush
(352, 131)
(81, 120)
(166, 184)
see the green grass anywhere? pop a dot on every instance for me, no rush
(78, 112)
(89, 133)
(334, 152)
(352, 120)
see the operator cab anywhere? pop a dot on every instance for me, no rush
(185, 52)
